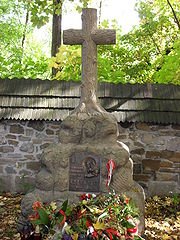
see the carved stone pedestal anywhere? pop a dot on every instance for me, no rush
(77, 164)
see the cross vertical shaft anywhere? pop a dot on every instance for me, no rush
(89, 37)
(89, 53)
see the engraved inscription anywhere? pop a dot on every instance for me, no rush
(84, 172)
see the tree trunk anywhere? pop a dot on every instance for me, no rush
(100, 10)
(56, 30)
(25, 28)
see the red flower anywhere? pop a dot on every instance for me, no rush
(34, 216)
(94, 234)
(37, 205)
(132, 230)
(127, 200)
(112, 232)
(88, 223)
(81, 213)
(85, 196)
(88, 195)
(64, 216)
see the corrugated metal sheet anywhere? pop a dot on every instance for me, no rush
(53, 100)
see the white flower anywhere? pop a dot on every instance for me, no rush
(90, 230)
(65, 227)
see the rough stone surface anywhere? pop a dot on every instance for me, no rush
(34, 166)
(24, 183)
(166, 163)
(142, 177)
(27, 147)
(6, 149)
(16, 129)
(143, 126)
(11, 155)
(12, 142)
(7, 183)
(166, 176)
(175, 157)
(151, 164)
(49, 132)
(173, 144)
(20, 152)
(93, 135)
(10, 170)
(39, 126)
(10, 136)
(18, 159)
(137, 168)
(24, 138)
(162, 188)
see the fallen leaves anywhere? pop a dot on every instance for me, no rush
(162, 217)
(9, 211)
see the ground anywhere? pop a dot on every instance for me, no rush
(162, 217)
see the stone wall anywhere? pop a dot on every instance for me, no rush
(21, 145)
(155, 150)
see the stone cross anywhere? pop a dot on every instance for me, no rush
(89, 37)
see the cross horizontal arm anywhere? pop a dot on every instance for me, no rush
(72, 37)
(104, 36)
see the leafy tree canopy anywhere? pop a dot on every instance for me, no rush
(150, 52)
(42, 10)
(17, 58)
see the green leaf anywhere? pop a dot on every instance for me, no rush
(44, 217)
(64, 205)
(128, 224)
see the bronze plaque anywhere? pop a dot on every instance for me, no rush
(84, 172)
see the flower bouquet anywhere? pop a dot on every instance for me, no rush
(108, 217)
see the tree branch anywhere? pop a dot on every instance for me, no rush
(176, 20)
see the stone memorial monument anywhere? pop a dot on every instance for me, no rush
(87, 138)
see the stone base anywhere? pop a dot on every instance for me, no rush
(93, 139)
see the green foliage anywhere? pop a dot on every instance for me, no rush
(19, 64)
(110, 215)
(149, 53)
(159, 32)
(25, 60)
(170, 70)
(82, 4)
(16, 60)
(67, 62)
(47, 215)
(41, 10)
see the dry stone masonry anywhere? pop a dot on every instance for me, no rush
(21, 145)
(155, 150)
(156, 163)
